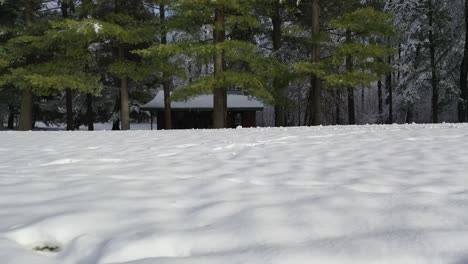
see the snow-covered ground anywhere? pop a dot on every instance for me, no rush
(370, 194)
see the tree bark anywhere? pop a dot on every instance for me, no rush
(463, 101)
(26, 105)
(124, 101)
(11, 118)
(388, 83)
(68, 92)
(69, 106)
(338, 107)
(351, 107)
(89, 112)
(379, 92)
(277, 43)
(409, 115)
(166, 81)
(434, 78)
(219, 91)
(363, 96)
(316, 93)
(89, 96)
(349, 68)
(280, 117)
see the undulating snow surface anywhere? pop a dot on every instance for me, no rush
(371, 194)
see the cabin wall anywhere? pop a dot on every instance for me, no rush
(204, 119)
(249, 119)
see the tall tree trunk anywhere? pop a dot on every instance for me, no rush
(69, 106)
(89, 112)
(26, 105)
(434, 78)
(116, 121)
(349, 68)
(124, 101)
(379, 93)
(363, 96)
(388, 84)
(11, 118)
(316, 82)
(277, 43)
(351, 107)
(409, 115)
(338, 107)
(219, 91)
(463, 102)
(166, 81)
(68, 92)
(89, 96)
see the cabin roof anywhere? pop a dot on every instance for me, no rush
(205, 102)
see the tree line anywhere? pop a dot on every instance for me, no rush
(315, 62)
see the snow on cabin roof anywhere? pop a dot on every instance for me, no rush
(235, 101)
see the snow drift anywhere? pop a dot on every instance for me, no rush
(371, 194)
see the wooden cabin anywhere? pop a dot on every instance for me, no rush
(197, 113)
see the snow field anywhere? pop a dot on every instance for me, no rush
(351, 194)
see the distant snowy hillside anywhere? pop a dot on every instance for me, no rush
(351, 194)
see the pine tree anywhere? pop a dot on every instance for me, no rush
(275, 15)
(66, 7)
(165, 78)
(223, 16)
(422, 81)
(131, 27)
(361, 51)
(45, 58)
(164, 58)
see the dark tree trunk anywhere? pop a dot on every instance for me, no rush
(388, 83)
(123, 81)
(299, 112)
(351, 107)
(219, 92)
(89, 112)
(409, 115)
(379, 92)
(124, 101)
(316, 93)
(26, 106)
(69, 105)
(349, 68)
(338, 107)
(11, 118)
(116, 124)
(117, 105)
(463, 101)
(68, 92)
(434, 78)
(26, 112)
(166, 81)
(363, 96)
(89, 96)
(277, 43)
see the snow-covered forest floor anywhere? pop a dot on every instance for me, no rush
(351, 194)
